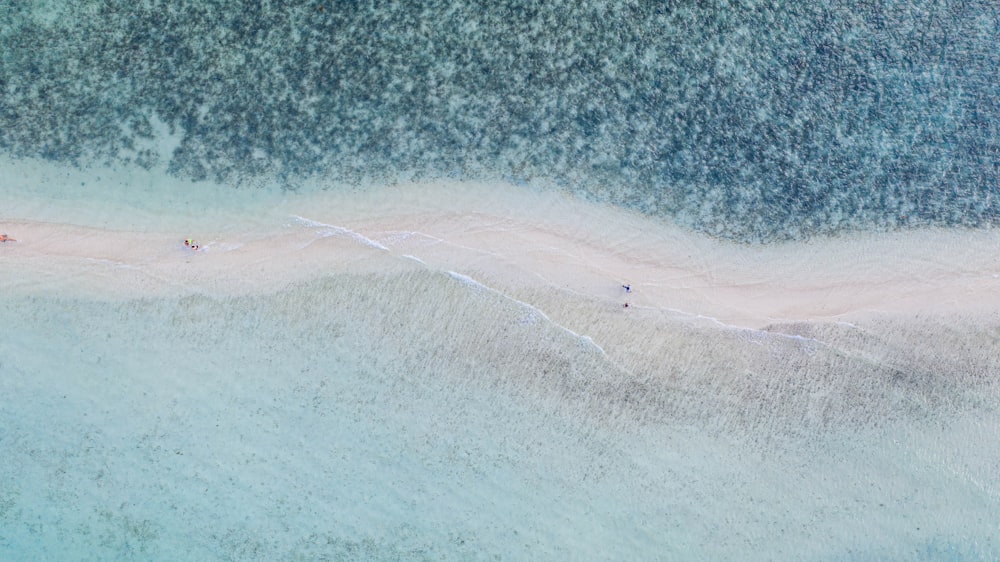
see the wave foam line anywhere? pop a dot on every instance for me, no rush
(334, 230)
(744, 329)
(339, 230)
(479, 286)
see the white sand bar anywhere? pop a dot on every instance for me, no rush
(513, 238)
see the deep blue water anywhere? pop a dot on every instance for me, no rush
(752, 120)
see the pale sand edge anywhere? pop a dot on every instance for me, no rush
(549, 242)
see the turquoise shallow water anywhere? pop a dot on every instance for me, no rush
(411, 414)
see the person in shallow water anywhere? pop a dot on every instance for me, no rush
(190, 244)
(5, 238)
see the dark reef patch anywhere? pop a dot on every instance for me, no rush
(754, 120)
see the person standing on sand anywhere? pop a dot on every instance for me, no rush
(5, 238)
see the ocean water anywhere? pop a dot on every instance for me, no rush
(398, 411)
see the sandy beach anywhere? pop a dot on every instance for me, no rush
(519, 242)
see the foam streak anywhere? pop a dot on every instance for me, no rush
(334, 230)
(534, 310)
